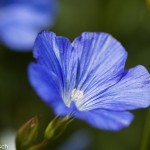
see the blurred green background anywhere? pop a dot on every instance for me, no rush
(128, 21)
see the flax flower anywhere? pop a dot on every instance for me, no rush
(87, 79)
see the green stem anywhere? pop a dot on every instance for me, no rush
(40, 146)
(146, 133)
(54, 129)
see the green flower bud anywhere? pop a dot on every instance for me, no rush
(56, 127)
(27, 134)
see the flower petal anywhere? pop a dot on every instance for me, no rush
(18, 37)
(105, 119)
(131, 92)
(56, 54)
(48, 87)
(28, 17)
(102, 60)
(47, 53)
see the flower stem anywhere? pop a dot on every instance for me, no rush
(39, 146)
(54, 129)
(146, 133)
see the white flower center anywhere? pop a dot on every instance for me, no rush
(77, 95)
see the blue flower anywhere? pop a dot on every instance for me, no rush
(87, 79)
(21, 20)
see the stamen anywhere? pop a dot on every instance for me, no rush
(77, 95)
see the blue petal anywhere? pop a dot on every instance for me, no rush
(19, 37)
(131, 92)
(57, 54)
(48, 87)
(47, 53)
(105, 119)
(102, 60)
(28, 17)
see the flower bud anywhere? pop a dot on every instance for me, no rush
(27, 134)
(56, 127)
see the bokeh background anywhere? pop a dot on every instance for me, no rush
(128, 21)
